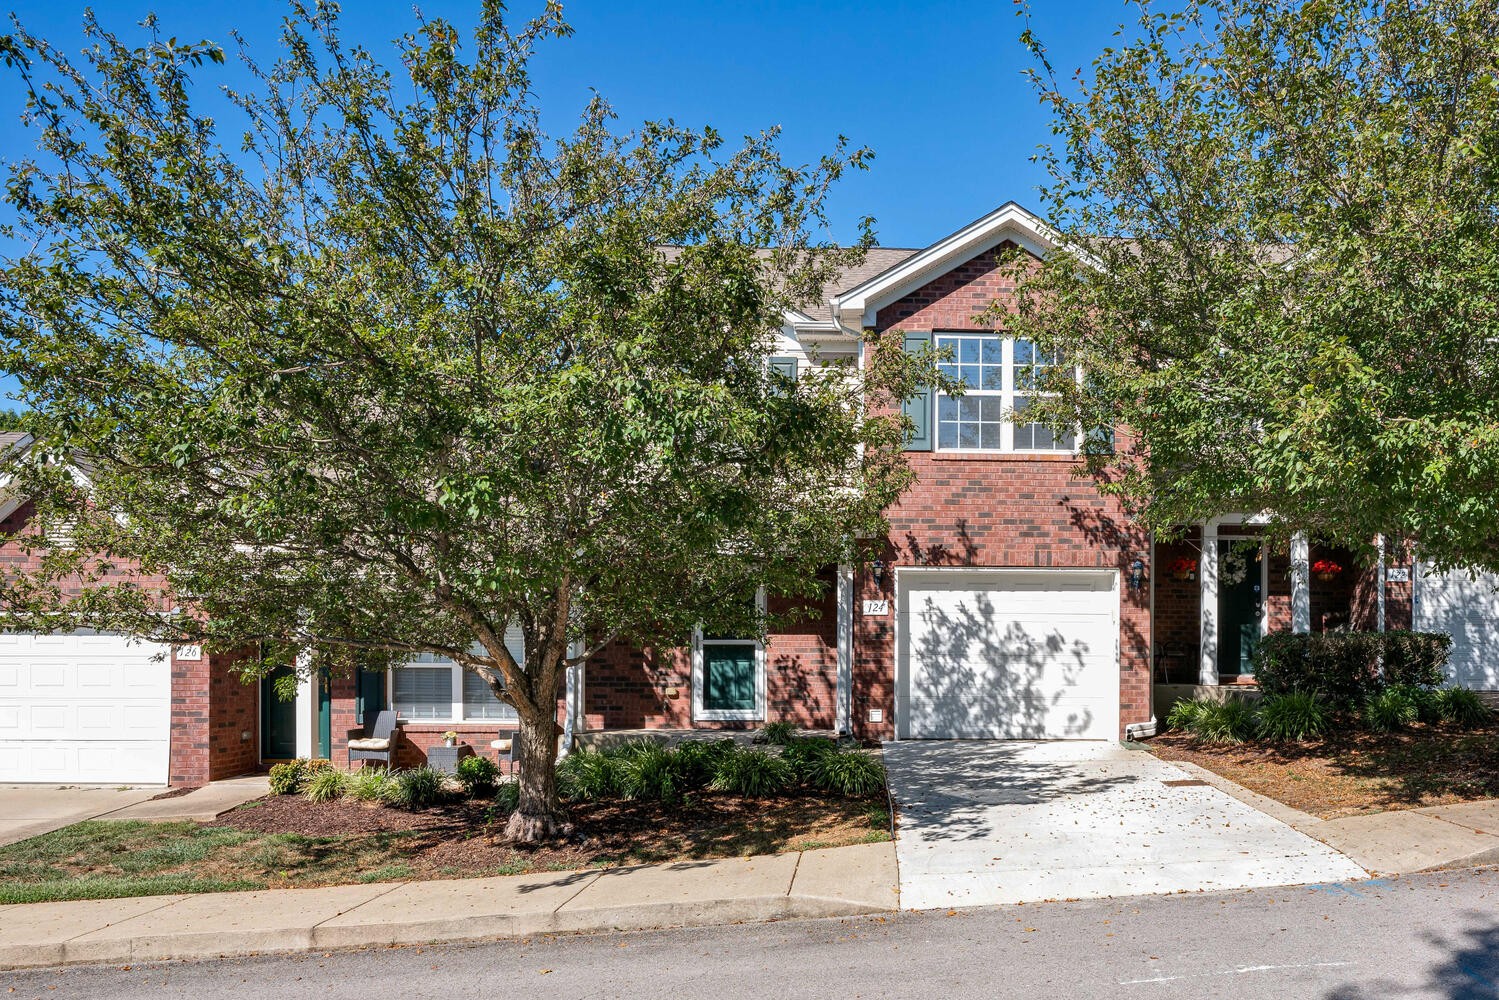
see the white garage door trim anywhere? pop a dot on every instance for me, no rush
(1104, 583)
(84, 708)
(1468, 610)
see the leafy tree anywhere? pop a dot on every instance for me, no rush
(1279, 266)
(401, 369)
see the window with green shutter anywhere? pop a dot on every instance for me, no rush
(919, 407)
(728, 676)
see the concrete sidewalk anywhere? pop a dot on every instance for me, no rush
(840, 881)
(32, 810)
(1398, 842)
(204, 804)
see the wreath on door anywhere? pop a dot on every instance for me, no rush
(1234, 567)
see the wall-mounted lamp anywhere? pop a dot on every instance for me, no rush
(877, 570)
(1136, 575)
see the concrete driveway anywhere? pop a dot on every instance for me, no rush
(983, 823)
(31, 810)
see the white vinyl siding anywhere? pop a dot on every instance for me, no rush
(430, 688)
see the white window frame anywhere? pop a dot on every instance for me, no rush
(1007, 394)
(701, 714)
(455, 715)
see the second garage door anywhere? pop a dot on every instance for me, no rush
(1467, 608)
(83, 708)
(992, 654)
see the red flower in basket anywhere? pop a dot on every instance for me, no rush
(1326, 569)
(1182, 568)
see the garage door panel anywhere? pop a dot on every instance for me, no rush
(1009, 656)
(1466, 608)
(83, 708)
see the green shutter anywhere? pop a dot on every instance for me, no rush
(729, 678)
(782, 367)
(919, 406)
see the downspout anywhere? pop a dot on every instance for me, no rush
(1145, 730)
(1379, 614)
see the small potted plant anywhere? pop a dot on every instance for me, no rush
(1183, 568)
(1326, 569)
(450, 738)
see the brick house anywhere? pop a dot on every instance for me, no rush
(1009, 600)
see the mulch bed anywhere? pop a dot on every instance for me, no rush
(1356, 772)
(464, 839)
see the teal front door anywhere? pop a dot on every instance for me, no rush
(1240, 606)
(278, 719)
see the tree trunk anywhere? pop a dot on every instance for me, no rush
(540, 814)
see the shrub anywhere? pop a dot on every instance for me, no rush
(776, 734)
(478, 776)
(1294, 716)
(1417, 658)
(1184, 714)
(286, 778)
(369, 784)
(1231, 721)
(753, 774)
(418, 788)
(1390, 709)
(1341, 668)
(507, 795)
(588, 775)
(326, 785)
(1424, 698)
(803, 755)
(851, 773)
(656, 774)
(698, 759)
(630, 748)
(1462, 707)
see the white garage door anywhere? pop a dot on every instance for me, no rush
(1468, 610)
(1007, 655)
(83, 708)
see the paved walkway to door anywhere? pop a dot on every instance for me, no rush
(32, 810)
(983, 823)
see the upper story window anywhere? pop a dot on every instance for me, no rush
(1002, 375)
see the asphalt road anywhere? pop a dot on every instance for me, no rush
(1420, 936)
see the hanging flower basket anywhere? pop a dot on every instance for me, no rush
(1182, 568)
(1326, 570)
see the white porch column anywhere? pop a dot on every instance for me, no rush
(844, 696)
(1301, 575)
(1207, 576)
(306, 708)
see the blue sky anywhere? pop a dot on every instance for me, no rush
(934, 88)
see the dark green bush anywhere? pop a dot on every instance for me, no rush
(803, 755)
(326, 785)
(851, 773)
(1424, 698)
(1341, 668)
(507, 795)
(776, 734)
(286, 777)
(1390, 710)
(1231, 721)
(1184, 714)
(753, 774)
(588, 775)
(697, 760)
(1462, 707)
(478, 776)
(418, 788)
(1417, 658)
(1294, 716)
(654, 773)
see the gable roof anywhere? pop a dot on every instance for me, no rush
(854, 309)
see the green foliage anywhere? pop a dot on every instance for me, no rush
(1184, 713)
(588, 775)
(699, 759)
(753, 774)
(776, 734)
(1341, 668)
(653, 772)
(286, 777)
(1462, 707)
(507, 795)
(1426, 700)
(851, 773)
(326, 785)
(478, 776)
(803, 755)
(418, 788)
(1416, 658)
(357, 385)
(1390, 710)
(370, 784)
(1296, 715)
(1229, 721)
(1287, 316)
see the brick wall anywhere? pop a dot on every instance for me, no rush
(234, 717)
(1178, 607)
(994, 510)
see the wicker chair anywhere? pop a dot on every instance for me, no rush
(379, 745)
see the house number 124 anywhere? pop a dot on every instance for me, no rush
(877, 607)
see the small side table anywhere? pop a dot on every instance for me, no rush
(445, 759)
